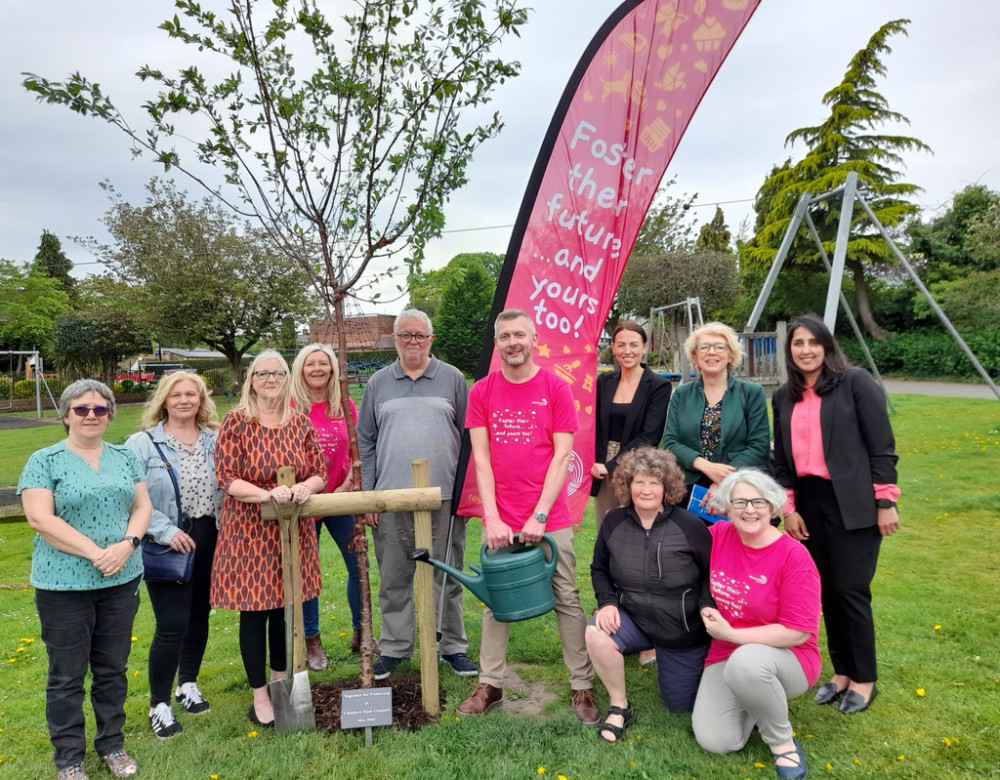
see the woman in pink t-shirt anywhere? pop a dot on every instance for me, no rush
(763, 628)
(316, 393)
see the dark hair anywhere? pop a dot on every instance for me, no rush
(648, 460)
(633, 326)
(835, 362)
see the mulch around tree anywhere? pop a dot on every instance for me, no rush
(407, 706)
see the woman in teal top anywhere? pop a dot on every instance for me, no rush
(717, 423)
(87, 500)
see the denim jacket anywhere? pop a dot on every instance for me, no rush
(163, 525)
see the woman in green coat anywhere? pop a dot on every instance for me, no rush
(717, 423)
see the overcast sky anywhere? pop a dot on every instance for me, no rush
(945, 76)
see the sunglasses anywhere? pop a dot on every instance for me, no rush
(83, 411)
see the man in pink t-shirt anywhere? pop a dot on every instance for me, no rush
(521, 421)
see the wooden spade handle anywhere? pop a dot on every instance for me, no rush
(291, 577)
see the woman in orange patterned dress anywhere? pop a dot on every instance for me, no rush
(259, 435)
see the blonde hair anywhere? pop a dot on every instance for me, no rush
(249, 406)
(732, 341)
(154, 412)
(300, 390)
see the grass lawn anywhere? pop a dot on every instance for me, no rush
(936, 717)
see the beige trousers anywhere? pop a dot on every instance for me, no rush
(570, 617)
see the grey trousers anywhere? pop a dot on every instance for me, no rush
(393, 545)
(750, 688)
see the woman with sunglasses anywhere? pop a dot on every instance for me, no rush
(88, 503)
(259, 435)
(316, 393)
(717, 423)
(176, 447)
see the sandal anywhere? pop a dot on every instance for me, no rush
(616, 731)
(797, 772)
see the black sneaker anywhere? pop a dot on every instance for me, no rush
(384, 664)
(163, 722)
(190, 698)
(461, 665)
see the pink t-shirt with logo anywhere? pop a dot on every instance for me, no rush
(332, 435)
(759, 586)
(520, 420)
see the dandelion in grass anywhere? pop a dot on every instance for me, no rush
(857, 761)
(561, 777)
(921, 692)
(21, 649)
(12, 660)
(343, 633)
(758, 765)
(947, 742)
(213, 777)
(252, 734)
(937, 627)
(829, 767)
(135, 673)
(900, 757)
(135, 639)
(540, 770)
(26, 639)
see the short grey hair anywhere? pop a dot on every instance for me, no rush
(512, 314)
(78, 388)
(413, 314)
(755, 478)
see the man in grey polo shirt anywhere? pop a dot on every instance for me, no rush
(414, 408)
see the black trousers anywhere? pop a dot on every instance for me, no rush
(260, 632)
(181, 611)
(86, 629)
(846, 561)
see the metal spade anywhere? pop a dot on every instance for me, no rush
(291, 697)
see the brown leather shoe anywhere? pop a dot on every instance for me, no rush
(585, 708)
(315, 656)
(484, 697)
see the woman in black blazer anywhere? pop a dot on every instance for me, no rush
(631, 411)
(835, 454)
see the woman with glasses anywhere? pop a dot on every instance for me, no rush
(631, 411)
(87, 501)
(259, 435)
(175, 446)
(316, 393)
(834, 452)
(763, 625)
(717, 423)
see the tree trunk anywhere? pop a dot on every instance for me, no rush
(864, 305)
(359, 543)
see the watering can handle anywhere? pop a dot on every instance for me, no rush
(550, 565)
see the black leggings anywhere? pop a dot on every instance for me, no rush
(260, 631)
(181, 611)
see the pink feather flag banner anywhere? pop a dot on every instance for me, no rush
(619, 121)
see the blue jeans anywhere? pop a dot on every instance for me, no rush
(86, 629)
(341, 529)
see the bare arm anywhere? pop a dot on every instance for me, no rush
(555, 478)
(773, 634)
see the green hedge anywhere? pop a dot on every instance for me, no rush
(930, 354)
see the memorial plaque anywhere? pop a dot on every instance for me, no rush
(365, 707)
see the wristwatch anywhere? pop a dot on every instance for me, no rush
(885, 503)
(133, 540)
(541, 517)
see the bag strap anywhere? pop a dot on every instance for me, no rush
(173, 477)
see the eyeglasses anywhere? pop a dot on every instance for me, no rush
(406, 338)
(279, 374)
(83, 411)
(720, 347)
(757, 503)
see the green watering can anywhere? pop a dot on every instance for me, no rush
(515, 582)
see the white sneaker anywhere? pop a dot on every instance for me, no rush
(190, 698)
(163, 722)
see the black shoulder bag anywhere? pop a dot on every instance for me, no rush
(161, 562)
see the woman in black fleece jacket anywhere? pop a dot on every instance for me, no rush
(650, 576)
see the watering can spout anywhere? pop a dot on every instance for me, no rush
(476, 584)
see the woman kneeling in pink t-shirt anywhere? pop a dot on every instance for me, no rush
(764, 628)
